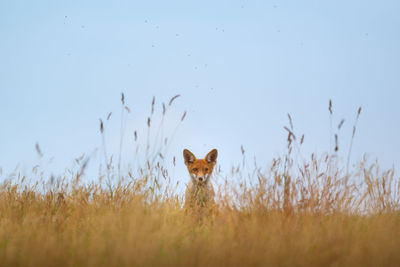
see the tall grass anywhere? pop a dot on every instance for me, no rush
(312, 212)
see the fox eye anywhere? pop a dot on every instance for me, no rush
(195, 169)
(206, 169)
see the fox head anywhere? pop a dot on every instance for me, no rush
(200, 169)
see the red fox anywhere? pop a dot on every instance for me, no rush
(199, 192)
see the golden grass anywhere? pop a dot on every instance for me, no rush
(320, 223)
(290, 214)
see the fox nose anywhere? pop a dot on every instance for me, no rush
(201, 179)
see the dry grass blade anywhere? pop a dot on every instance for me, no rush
(330, 124)
(341, 124)
(336, 143)
(109, 116)
(122, 98)
(352, 140)
(290, 132)
(84, 166)
(290, 121)
(79, 159)
(172, 99)
(127, 109)
(183, 116)
(38, 150)
(152, 105)
(101, 126)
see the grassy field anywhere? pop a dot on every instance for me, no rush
(313, 213)
(86, 226)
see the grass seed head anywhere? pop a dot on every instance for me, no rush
(172, 99)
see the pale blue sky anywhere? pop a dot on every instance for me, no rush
(240, 67)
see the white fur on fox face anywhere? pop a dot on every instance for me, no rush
(196, 179)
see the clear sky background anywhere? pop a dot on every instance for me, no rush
(240, 67)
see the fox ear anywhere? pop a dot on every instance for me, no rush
(188, 157)
(212, 156)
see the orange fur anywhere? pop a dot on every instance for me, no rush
(199, 192)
